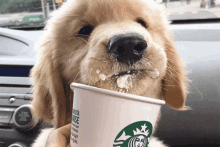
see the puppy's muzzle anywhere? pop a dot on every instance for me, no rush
(127, 48)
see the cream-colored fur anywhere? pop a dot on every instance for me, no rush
(64, 57)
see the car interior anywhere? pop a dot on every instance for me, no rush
(196, 27)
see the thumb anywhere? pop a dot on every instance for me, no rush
(65, 131)
(59, 137)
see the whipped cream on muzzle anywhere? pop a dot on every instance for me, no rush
(124, 79)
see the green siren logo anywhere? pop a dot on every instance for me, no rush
(134, 135)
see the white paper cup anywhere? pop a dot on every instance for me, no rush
(105, 118)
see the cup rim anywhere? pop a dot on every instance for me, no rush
(117, 94)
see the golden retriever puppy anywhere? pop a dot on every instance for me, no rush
(121, 45)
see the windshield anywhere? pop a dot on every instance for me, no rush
(33, 13)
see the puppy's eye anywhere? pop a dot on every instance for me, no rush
(85, 31)
(142, 22)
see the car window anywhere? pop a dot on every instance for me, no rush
(34, 13)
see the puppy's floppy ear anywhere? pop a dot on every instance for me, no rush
(49, 103)
(175, 82)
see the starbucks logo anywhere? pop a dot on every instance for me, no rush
(134, 135)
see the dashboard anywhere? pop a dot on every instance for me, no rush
(17, 57)
(199, 47)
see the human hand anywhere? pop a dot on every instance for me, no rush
(59, 137)
(59, 1)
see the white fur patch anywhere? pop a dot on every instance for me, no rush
(154, 142)
(42, 138)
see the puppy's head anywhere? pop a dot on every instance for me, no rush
(121, 45)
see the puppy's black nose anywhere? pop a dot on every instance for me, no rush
(128, 48)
